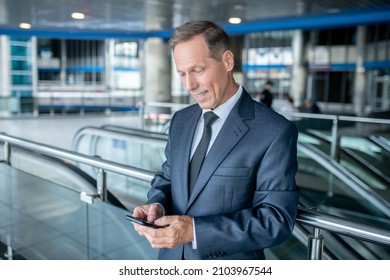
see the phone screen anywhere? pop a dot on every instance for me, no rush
(142, 222)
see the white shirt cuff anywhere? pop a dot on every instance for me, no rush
(194, 245)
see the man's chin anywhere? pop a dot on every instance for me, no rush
(204, 105)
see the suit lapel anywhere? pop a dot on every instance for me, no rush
(231, 133)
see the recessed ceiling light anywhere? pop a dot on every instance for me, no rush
(25, 25)
(78, 15)
(234, 20)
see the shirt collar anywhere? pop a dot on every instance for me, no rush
(223, 110)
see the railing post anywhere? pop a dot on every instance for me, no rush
(334, 149)
(10, 253)
(315, 245)
(108, 110)
(102, 184)
(334, 152)
(6, 153)
(52, 111)
(36, 106)
(19, 102)
(141, 112)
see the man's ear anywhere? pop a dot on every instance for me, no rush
(228, 60)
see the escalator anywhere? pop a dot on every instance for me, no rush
(57, 171)
(367, 158)
(322, 188)
(381, 142)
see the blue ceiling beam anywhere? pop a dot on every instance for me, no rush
(84, 34)
(307, 22)
(310, 22)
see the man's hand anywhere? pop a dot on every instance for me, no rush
(149, 212)
(179, 231)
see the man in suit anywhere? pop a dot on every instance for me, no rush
(266, 95)
(245, 198)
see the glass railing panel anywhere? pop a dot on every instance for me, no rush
(50, 170)
(129, 191)
(114, 237)
(322, 125)
(132, 151)
(84, 144)
(43, 220)
(40, 219)
(125, 149)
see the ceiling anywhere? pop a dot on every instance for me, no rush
(134, 16)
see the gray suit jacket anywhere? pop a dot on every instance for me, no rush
(245, 198)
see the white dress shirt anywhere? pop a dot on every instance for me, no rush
(222, 112)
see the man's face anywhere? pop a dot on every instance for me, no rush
(205, 78)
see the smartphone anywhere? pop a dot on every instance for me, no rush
(142, 222)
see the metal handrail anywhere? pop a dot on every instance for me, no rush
(123, 169)
(165, 105)
(364, 120)
(307, 217)
(380, 142)
(343, 226)
(96, 131)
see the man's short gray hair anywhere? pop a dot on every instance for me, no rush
(216, 38)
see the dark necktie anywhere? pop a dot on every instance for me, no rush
(201, 150)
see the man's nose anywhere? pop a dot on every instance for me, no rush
(190, 83)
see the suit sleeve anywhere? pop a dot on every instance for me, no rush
(271, 218)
